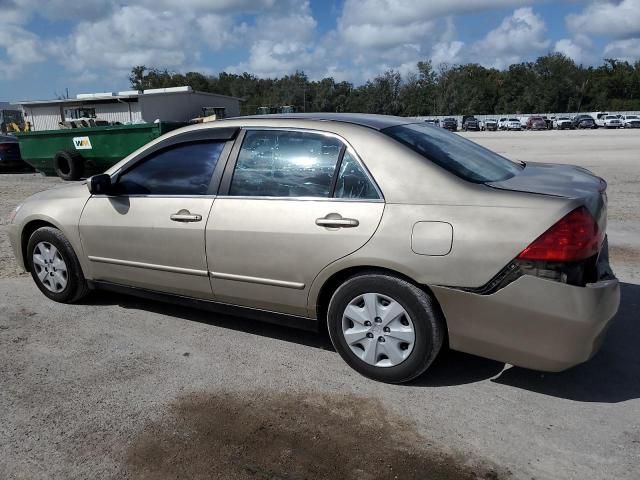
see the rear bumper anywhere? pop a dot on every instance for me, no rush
(532, 322)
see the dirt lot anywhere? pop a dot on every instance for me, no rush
(125, 388)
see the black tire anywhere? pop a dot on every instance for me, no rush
(76, 287)
(69, 165)
(428, 322)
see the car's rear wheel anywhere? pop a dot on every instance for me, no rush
(385, 327)
(55, 267)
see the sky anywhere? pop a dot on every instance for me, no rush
(48, 46)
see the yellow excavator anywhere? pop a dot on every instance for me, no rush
(12, 121)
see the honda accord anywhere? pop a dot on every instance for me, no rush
(396, 236)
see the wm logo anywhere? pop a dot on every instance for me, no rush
(82, 143)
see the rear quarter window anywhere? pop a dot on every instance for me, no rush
(456, 154)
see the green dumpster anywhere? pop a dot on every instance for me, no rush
(81, 152)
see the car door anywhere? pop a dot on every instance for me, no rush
(291, 202)
(148, 232)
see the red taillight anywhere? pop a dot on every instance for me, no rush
(575, 237)
(6, 146)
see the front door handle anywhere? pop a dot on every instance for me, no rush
(335, 220)
(185, 216)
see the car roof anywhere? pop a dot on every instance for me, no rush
(8, 138)
(377, 122)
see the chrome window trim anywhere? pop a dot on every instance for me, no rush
(340, 138)
(303, 199)
(141, 195)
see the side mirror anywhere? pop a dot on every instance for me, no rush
(99, 184)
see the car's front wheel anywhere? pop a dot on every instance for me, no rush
(385, 327)
(55, 267)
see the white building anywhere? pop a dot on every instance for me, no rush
(178, 104)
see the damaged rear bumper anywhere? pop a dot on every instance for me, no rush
(532, 322)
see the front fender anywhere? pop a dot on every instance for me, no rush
(60, 208)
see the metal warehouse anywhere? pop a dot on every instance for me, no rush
(132, 106)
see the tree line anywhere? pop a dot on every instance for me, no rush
(553, 83)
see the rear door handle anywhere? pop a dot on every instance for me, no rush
(334, 220)
(185, 216)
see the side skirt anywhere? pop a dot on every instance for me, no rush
(294, 321)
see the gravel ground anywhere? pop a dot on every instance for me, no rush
(119, 387)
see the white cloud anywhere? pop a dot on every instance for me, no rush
(218, 31)
(21, 48)
(628, 49)
(129, 36)
(108, 37)
(579, 49)
(612, 18)
(519, 36)
(393, 12)
(19, 11)
(281, 42)
(447, 52)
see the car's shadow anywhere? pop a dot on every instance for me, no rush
(243, 324)
(613, 375)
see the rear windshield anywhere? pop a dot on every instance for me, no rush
(460, 156)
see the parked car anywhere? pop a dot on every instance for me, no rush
(513, 124)
(536, 123)
(631, 121)
(583, 121)
(10, 159)
(612, 121)
(490, 124)
(599, 118)
(469, 122)
(302, 219)
(450, 124)
(502, 123)
(433, 121)
(549, 122)
(562, 123)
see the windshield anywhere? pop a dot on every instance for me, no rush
(460, 156)
(514, 120)
(629, 117)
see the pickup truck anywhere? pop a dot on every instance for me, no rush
(536, 123)
(562, 123)
(450, 124)
(490, 125)
(631, 121)
(469, 122)
(583, 121)
(512, 124)
(599, 118)
(612, 121)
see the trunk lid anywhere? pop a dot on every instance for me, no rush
(567, 181)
